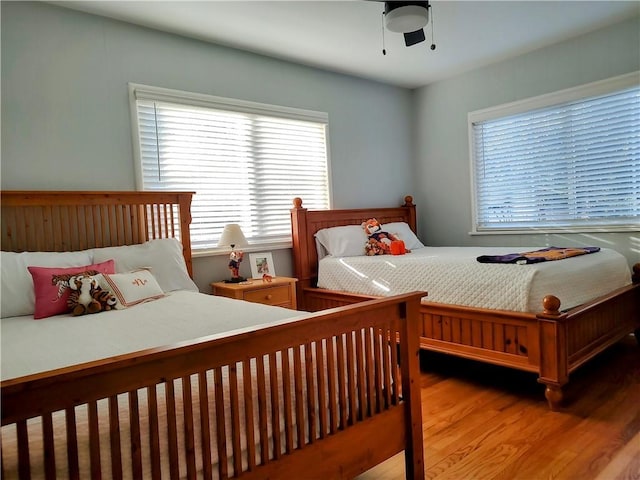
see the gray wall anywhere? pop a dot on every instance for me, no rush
(65, 111)
(442, 168)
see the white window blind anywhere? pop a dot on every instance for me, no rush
(245, 161)
(571, 165)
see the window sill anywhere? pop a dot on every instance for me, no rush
(550, 230)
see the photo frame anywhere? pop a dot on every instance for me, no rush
(261, 264)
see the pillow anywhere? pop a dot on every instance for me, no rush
(345, 241)
(162, 256)
(51, 286)
(132, 288)
(404, 233)
(17, 296)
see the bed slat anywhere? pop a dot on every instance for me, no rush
(352, 392)
(275, 405)
(135, 441)
(49, 452)
(288, 404)
(342, 381)
(205, 433)
(298, 389)
(309, 388)
(334, 414)
(154, 432)
(114, 438)
(322, 388)
(262, 410)
(172, 429)
(234, 404)
(23, 449)
(248, 415)
(72, 444)
(94, 441)
(189, 440)
(220, 424)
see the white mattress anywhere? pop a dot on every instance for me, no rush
(452, 275)
(31, 346)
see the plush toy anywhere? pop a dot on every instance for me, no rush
(381, 243)
(87, 296)
(234, 265)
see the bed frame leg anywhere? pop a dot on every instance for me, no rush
(554, 396)
(554, 369)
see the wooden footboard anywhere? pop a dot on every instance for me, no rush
(348, 397)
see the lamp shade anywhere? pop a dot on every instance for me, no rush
(232, 236)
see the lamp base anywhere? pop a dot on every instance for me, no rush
(235, 280)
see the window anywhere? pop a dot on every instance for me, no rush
(568, 161)
(245, 161)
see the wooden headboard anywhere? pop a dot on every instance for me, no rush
(305, 223)
(56, 221)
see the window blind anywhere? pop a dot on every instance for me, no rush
(570, 165)
(245, 167)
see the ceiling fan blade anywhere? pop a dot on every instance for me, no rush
(412, 38)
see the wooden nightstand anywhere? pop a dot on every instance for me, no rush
(281, 291)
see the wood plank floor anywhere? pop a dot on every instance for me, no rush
(487, 422)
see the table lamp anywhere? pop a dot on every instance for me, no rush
(232, 236)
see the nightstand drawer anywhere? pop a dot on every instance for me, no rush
(279, 295)
(281, 291)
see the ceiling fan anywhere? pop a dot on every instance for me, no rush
(408, 18)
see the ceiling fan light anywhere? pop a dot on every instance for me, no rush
(408, 18)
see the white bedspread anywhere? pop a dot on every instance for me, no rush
(452, 275)
(31, 346)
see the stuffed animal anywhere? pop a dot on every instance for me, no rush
(379, 242)
(234, 263)
(87, 296)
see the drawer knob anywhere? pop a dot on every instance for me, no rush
(269, 297)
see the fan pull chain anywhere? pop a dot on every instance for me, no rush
(384, 50)
(433, 45)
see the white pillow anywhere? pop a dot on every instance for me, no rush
(345, 241)
(162, 256)
(131, 288)
(17, 295)
(404, 233)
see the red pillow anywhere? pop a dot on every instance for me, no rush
(49, 301)
(397, 247)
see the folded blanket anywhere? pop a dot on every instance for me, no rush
(542, 255)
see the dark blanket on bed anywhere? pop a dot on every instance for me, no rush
(542, 255)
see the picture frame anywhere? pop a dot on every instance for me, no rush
(261, 264)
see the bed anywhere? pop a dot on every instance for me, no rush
(266, 394)
(551, 341)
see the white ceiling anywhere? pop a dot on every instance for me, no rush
(346, 36)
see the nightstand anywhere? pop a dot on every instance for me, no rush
(281, 291)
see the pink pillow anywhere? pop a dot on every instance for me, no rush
(49, 301)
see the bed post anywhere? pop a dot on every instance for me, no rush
(554, 370)
(410, 369)
(184, 200)
(635, 278)
(410, 206)
(301, 262)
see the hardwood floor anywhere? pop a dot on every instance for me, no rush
(487, 422)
